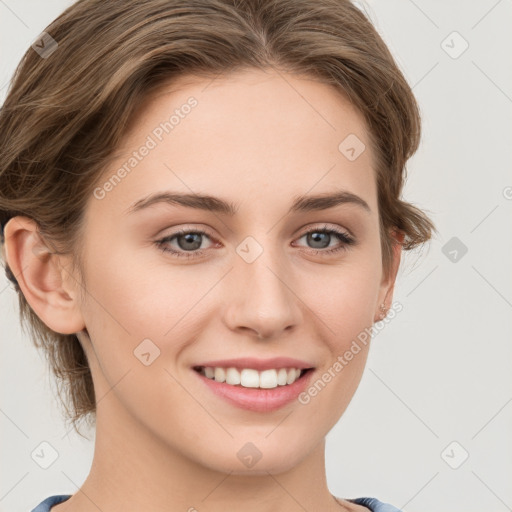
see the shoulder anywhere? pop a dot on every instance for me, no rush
(372, 504)
(46, 504)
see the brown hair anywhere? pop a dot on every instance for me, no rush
(65, 114)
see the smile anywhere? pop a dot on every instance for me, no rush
(260, 391)
(251, 378)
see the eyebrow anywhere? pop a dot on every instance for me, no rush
(303, 203)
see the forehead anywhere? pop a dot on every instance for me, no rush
(253, 134)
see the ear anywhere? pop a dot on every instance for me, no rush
(47, 285)
(387, 287)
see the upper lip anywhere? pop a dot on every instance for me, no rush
(258, 364)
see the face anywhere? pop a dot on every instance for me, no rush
(172, 286)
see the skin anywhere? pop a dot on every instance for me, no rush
(163, 440)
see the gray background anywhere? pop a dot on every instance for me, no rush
(438, 381)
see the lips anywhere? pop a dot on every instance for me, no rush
(257, 398)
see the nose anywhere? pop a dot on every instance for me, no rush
(262, 299)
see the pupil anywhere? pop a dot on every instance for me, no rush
(191, 238)
(316, 237)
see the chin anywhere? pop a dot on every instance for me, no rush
(249, 460)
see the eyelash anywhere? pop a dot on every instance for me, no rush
(344, 237)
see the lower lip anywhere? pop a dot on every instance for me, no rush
(257, 399)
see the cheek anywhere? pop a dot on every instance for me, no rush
(344, 296)
(129, 304)
(342, 303)
(130, 292)
(343, 317)
(131, 300)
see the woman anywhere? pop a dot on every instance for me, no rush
(271, 136)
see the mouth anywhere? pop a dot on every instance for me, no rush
(260, 391)
(251, 378)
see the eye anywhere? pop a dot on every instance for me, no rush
(190, 241)
(321, 238)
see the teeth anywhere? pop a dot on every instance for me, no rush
(232, 376)
(282, 376)
(292, 375)
(249, 378)
(220, 374)
(268, 379)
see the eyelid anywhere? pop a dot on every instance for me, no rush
(199, 228)
(320, 226)
(326, 226)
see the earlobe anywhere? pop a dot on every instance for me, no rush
(42, 276)
(388, 284)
